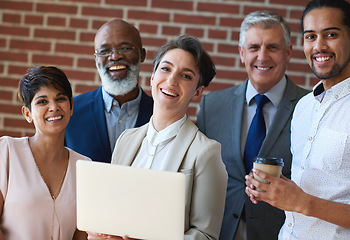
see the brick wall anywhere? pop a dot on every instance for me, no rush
(61, 32)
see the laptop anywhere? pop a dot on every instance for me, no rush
(122, 200)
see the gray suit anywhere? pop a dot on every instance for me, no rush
(220, 118)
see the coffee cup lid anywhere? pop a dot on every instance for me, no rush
(269, 160)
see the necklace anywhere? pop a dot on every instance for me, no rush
(53, 196)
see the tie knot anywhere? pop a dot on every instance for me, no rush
(260, 100)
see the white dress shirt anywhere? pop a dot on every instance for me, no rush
(320, 145)
(155, 146)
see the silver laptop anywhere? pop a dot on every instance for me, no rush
(121, 200)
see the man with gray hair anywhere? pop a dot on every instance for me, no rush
(100, 116)
(317, 198)
(253, 119)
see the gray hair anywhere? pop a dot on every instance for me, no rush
(264, 19)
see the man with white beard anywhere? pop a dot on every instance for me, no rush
(100, 116)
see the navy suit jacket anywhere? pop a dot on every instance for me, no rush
(87, 133)
(220, 118)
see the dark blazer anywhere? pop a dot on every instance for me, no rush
(87, 133)
(220, 118)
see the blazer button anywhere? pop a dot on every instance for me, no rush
(235, 215)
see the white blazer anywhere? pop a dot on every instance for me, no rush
(199, 158)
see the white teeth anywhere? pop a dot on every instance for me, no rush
(262, 68)
(54, 118)
(113, 68)
(168, 93)
(322, 59)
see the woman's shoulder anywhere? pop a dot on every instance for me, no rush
(201, 145)
(73, 155)
(207, 154)
(130, 133)
(201, 138)
(12, 150)
(8, 140)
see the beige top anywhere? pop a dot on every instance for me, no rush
(28, 206)
(199, 158)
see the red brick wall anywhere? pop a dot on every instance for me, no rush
(61, 32)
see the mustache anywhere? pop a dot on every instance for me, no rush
(324, 52)
(110, 63)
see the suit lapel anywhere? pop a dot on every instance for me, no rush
(181, 144)
(283, 114)
(132, 146)
(177, 151)
(99, 121)
(236, 111)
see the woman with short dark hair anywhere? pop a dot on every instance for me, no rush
(37, 174)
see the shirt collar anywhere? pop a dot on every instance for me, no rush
(275, 94)
(318, 91)
(339, 90)
(130, 105)
(154, 137)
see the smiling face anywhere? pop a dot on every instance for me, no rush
(119, 72)
(50, 111)
(174, 83)
(265, 56)
(327, 45)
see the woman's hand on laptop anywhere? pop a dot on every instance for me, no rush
(101, 236)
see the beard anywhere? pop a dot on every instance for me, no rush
(335, 70)
(115, 85)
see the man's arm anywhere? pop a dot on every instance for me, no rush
(286, 195)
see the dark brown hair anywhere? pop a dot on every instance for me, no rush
(40, 76)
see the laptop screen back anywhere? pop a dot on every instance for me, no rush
(122, 200)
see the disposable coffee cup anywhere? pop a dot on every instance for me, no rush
(270, 165)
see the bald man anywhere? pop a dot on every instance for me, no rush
(100, 116)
